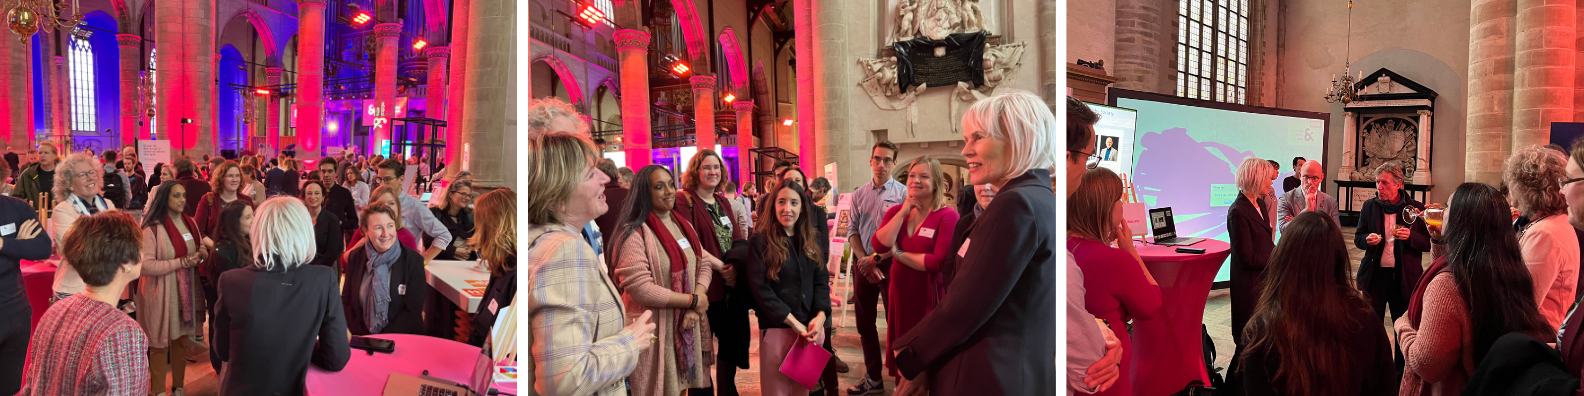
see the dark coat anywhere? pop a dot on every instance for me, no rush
(339, 202)
(802, 287)
(209, 208)
(1250, 234)
(405, 314)
(1520, 365)
(196, 188)
(615, 196)
(461, 229)
(1409, 253)
(692, 209)
(966, 201)
(328, 240)
(497, 296)
(274, 182)
(266, 323)
(994, 331)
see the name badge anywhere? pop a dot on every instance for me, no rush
(401, 290)
(494, 305)
(927, 232)
(8, 229)
(963, 252)
(684, 243)
(187, 236)
(726, 220)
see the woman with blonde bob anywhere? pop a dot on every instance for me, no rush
(919, 230)
(575, 312)
(1250, 230)
(995, 329)
(279, 315)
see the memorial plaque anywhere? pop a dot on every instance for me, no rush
(962, 61)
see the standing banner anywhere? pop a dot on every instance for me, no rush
(151, 152)
(839, 228)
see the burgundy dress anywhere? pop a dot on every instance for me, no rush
(913, 293)
(1116, 290)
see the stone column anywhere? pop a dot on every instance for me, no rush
(131, 59)
(1543, 85)
(453, 115)
(831, 89)
(1349, 146)
(1139, 65)
(803, 21)
(436, 100)
(489, 142)
(16, 95)
(385, 79)
(745, 138)
(272, 76)
(1490, 90)
(703, 112)
(310, 73)
(1421, 175)
(633, 48)
(184, 30)
(59, 112)
(1048, 23)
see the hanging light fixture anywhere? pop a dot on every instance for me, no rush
(1343, 89)
(29, 16)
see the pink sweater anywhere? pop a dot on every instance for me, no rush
(1551, 251)
(1440, 353)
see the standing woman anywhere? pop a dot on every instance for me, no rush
(76, 192)
(701, 203)
(578, 342)
(663, 267)
(352, 179)
(994, 332)
(169, 300)
(1482, 293)
(1117, 287)
(226, 181)
(139, 185)
(328, 242)
(1252, 239)
(251, 188)
(790, 284)
(497, 245)
(1550, 246)
(451, 208)
(919, 230)
(232, 251)
(1313, 333)
(293, 181)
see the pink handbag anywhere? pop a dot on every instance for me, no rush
(805, 362)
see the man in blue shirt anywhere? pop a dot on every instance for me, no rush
(869, 205)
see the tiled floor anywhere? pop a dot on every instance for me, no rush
(1218, 310)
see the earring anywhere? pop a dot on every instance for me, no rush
(126, 270)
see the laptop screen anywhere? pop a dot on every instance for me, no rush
(483, 373)
(1161, 223)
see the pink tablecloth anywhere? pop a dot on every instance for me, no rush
(1166, 350)
(38, 277)
(366, 375)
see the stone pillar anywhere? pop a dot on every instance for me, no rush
(1543, 85)
(59, 112)
(803, 21)
(1139, 65)
(1349, 146)
(453, 115)
(16, 95)
(633, 48)
(489, 98)
(1048, 23)
(385, 79)
(310, 74)
(1490, 90)
(703, 112)
(436, 100)
(1421, 175)
(272, 76)
(184, 30)
(831, 89)
(131, 59)
(745, 138)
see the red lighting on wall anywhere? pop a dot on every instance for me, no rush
(420, 44)
(362, 18)
(262, 92)
(787, 122)
(588, 15)
(729, 97)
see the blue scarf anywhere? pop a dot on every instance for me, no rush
(376, 286)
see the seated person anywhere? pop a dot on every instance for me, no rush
(385, 284)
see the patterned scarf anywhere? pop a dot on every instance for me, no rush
(686, 341)
(184, 277)
(83, 208)
(376, 286)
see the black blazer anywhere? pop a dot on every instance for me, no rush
(1250, 233)
(338, 201)
(966, 201)
(994, 332)
(1409, 253)
(328, 240)
(265, 324)
(405, 314)
(499, 294)
(803, 288)
(461, 229)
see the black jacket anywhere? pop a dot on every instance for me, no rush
(338, 201)
(994, 332)
(274, 182)
(966, 201)
(13, 297)
(1249, 231)
(328, 240)
(1409, 253)
(461, 229)
(497, 296)
(1518, 364)
(802, 288)
(405, 314)
(1370, 353)
(266, 323)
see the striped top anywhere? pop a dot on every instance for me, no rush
(576, 322)
(86, 347)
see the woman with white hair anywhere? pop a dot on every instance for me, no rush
(994, 331)
(278, 315)
(1250, 232)
(554, 115)
(77, 193)
(1550, 247)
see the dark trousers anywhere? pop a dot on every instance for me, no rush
(14, 337)
(866, 292)
(728, 318)
(1386, 288)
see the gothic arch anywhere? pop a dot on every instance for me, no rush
(574, 91)
(265, 36)
(734, 58)
(692, 29)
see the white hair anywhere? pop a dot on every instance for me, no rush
(63, 180)
(1252, 173)
(1025, 122)
(282, 232)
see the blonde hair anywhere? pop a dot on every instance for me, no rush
(282, 234)
(1253, 173)
(496, 235)
(556, 164)
(543, 112)
(1089, 210)
(1025, 122)
(1533, 175)
(395, 195)
(937, 179)
(63, 180)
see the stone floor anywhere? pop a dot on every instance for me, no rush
(1218, 310)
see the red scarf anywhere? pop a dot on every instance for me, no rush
(1416, 303)
(184, 277)
(680, 282)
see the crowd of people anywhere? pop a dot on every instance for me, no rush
(266, 266)
(639, 282)
(1493, 312)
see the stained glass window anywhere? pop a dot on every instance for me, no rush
(82, 85)
(1212, 49)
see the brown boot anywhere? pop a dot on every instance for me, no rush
(841, 367)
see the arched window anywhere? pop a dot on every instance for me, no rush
(82, 85)
(1213, 49)
(153, 95)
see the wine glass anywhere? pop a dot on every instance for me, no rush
(1411, 214)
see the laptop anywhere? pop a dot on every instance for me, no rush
(1165, 229)
(425, 197)
(478, 385)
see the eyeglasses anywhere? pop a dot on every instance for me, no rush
(1092, 162)
(85, 175)
(1313, 177)
(1565, 182)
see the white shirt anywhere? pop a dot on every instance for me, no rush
(1388, 256)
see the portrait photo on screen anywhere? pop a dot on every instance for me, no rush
(1107, 148)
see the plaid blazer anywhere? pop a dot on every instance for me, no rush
(576, 335)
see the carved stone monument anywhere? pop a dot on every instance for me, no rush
(938, 43)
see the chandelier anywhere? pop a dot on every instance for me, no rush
(28, 16)
(1343, 89)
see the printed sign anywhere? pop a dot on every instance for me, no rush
(152, 152)
(478, 293)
